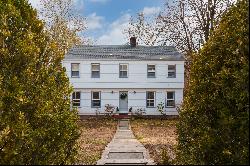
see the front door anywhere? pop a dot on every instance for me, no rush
(123, 102)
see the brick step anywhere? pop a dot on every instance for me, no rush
(117, 116)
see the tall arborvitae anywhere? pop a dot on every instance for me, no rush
(36, 124)
(214, 119)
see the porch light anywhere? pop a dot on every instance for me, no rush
(134, 92)
(112, 92)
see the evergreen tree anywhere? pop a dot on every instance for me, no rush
(214, 118)
(36, 123)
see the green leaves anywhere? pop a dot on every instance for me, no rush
(160, 108)
(36, 123)
(214, 119)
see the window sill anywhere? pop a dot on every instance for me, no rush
(150, 107)
(75, 76)
(151, 77)
(170, 106)
(96, 107)
(171, 77)
(123, 77)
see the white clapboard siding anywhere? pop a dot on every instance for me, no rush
(137, 82)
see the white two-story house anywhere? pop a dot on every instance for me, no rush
(125, 76)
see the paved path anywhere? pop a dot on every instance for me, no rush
(124, 149)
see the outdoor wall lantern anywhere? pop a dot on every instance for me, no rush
(134, 92)
(112, 92)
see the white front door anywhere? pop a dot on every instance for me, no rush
(123, 102)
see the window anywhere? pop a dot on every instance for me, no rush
(95, 70)
(171, 71)
(170, 99)
(150, 99)
(123, 68)
(151, 71)
(76, 99)
(74, 69)
(96, 99)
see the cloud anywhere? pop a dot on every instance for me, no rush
(78, 5)
(114, 35)
(94, 21)
(151, 10)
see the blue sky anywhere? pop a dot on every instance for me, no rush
(106, 19)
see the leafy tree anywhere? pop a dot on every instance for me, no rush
(214, 118)
(36, 124)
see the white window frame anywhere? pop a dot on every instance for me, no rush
(147, 99)
(173, 99)
(92, 99)
(95, 64)
(151, 71)
(174, 71)
(75, 70)
(122, 70)
(75, 100)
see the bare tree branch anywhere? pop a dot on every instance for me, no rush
(62, 23)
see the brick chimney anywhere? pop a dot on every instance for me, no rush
(133, 41)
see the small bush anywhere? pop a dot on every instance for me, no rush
(165, 159)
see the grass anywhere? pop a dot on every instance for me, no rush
(158, 136)
(95, 135)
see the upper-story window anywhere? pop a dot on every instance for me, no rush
(95, 70)
(150, 99)
(123, 70)
(96, 99)
(76, 99)
(170, 99)
(151, 71)
(171, 71)
(75, 70)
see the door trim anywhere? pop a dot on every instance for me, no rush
(120, 103)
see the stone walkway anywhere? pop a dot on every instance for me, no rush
(124, 149)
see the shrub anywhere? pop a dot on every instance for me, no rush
(160, 108)
(165, 159)
(214, 119)
(36, 124)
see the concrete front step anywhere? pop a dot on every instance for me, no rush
(125, 162)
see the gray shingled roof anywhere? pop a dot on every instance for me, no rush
(124, 52)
